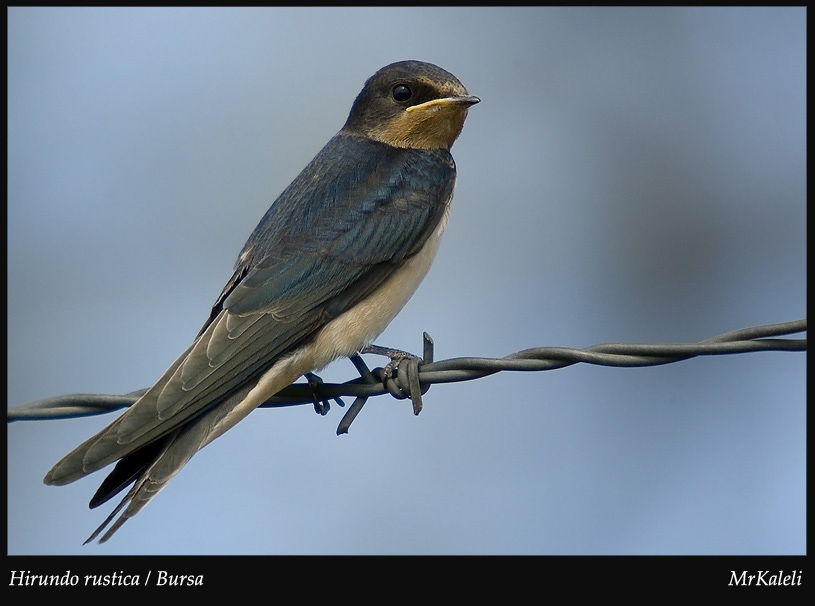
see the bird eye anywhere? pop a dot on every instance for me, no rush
(401, 92)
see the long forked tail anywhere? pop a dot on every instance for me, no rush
(151, 470)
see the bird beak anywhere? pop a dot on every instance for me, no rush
(465, 100)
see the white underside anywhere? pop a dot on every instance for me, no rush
(343, 336)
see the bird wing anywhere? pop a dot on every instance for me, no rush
(353, 216)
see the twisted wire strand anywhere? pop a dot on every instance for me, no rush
(413, 376)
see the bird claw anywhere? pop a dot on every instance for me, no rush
(397, 356)
(321, 407)
(385, 376)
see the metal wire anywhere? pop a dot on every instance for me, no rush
(409, 376)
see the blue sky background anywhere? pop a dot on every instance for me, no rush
(631, 175)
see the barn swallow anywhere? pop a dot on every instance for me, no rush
(330, 264)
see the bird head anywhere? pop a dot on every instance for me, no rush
(411, 104)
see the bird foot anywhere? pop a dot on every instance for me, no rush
(321, 407)
(397, 356)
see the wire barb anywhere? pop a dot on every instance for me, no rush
(359, 402)
(414, 376)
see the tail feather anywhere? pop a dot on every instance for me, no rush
(128, 470)
(151, 469)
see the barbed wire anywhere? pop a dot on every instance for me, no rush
(409, 376)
